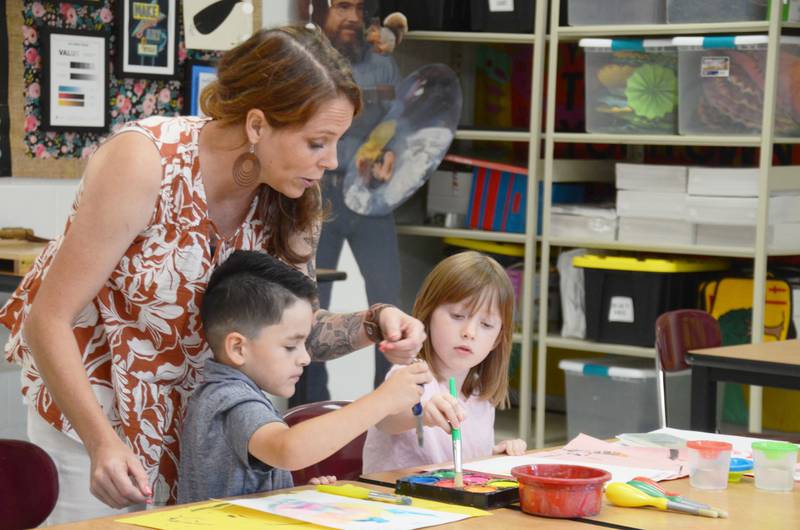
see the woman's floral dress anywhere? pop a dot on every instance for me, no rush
(140, 337)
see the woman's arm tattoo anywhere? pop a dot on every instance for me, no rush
(333, 335)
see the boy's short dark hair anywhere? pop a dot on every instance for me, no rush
(248, 291)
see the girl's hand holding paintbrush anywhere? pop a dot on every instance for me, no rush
(443, 411)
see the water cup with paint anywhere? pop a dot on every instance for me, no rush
(709, 463)
(774, 465)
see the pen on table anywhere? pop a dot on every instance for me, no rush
(458, 480)
(417, 411)
(357, 492)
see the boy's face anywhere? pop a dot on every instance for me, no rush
(274, 359)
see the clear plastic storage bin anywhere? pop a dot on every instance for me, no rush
(689, 11)
(631, 86)
(589, 12)
(611, 395)
(721, 85)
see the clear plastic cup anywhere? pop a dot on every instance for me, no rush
(774, 465)
(709, 463)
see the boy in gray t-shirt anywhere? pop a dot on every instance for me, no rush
(257, 313)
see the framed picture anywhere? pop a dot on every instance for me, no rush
(75, 85)
(147, 45)
(218, 24)
(198, 75)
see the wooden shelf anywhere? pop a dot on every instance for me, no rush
(601, 347)
(493, 135)
(730, 252)
(657, 139)
(572, 33)
(464, 233)
(468, 36)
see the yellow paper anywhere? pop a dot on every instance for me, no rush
(213, 515)
(218, 514)
(452, 508)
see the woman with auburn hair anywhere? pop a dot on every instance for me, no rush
(106, 325)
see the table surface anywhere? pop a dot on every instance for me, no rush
(747, 507)
(782, 352)
(506, 519)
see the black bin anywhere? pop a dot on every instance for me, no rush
(518, 20)
(625, 295)
(431, 15)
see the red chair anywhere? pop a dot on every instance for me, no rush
(346, 463)
(678, 332)
(28, 484)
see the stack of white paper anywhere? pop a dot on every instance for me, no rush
(572, 221)
(662, 231)
(780, 236)
(651, 204)
(741, 211)
(720, 181)
(646, 177)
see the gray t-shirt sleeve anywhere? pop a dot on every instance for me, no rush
(242, 421)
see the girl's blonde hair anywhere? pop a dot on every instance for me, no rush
(477, 278)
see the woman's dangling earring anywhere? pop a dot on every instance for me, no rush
(246, 168)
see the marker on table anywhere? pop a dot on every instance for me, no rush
(458, 480)
(356, 492)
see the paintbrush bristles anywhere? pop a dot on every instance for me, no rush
(708, 513)
(458, 480)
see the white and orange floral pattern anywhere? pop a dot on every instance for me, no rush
(141, 338)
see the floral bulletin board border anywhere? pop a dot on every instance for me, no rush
(129, 99)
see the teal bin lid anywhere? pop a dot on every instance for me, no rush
(613, 367)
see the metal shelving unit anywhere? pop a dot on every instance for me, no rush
(556, 341)
(764, 141)
(533, 137)
(469, 36)
(463, 233)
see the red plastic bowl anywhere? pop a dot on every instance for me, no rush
(556, 490)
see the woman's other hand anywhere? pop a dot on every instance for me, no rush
(118, 478)
(403, 336)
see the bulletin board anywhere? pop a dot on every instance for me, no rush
(5, 146)
(50, 154)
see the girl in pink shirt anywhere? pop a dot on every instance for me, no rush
(466, 304)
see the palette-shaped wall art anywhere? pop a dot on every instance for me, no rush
(480, 490)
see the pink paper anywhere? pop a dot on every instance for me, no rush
(590, 451)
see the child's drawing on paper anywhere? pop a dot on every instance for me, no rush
(338, 512)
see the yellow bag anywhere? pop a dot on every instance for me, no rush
(730, 301)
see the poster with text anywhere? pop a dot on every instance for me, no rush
(76, 81)
(147, 35)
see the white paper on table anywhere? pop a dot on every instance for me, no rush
(337, 511)
(742, 445)
(503, 465)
